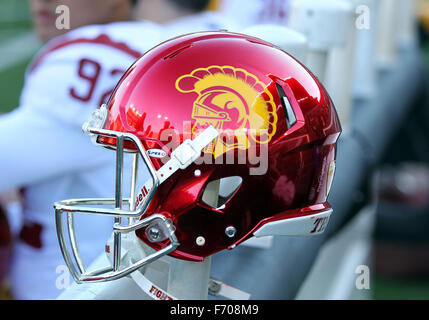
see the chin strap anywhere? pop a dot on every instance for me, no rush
(150, 288)
(187, 153)
(183, 156)
(216, 288)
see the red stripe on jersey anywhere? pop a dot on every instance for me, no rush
(31, 234)
(102, 39)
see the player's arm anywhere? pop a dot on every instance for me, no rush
(37, 147)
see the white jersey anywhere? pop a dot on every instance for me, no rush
(233, 15)
(204, 21)
(44, 151)
(247, 13)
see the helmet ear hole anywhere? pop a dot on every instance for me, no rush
(218, 192)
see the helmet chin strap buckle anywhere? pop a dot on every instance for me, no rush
(188, 152)
(185, 154)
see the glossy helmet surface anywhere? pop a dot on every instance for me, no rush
(268, 169)
(237, 84)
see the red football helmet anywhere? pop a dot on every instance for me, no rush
(238, 137)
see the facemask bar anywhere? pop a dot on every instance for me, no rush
(181, 158)
(81, 206)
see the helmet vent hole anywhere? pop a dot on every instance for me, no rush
(287, 108)
(218, 192)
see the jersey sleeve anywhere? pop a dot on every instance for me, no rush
(43, 138)
(37, 148)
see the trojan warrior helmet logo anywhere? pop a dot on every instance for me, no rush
(233, 101)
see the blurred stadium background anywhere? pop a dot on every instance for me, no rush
(18, 44)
